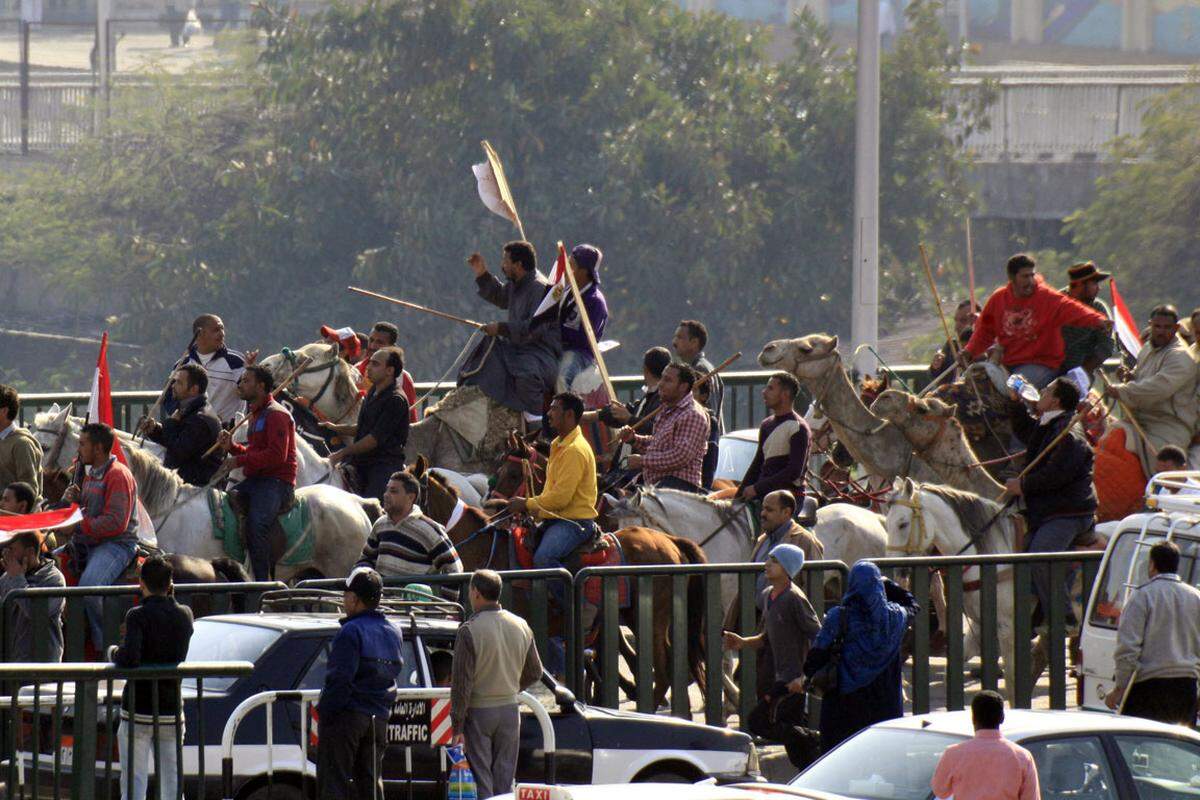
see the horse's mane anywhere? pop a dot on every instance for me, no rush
(658, 494)
(973, 511)
(157, 485)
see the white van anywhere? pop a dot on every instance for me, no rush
(1170, 516)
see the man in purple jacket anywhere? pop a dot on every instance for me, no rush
(577, 353)
(783, 442)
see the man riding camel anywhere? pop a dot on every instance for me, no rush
(518, 364)
(191, 430)
(566, 506)
(576, 350)
(269, 460)
(381, 431)
(1086, 347)
(673, 457)
(1161, 391)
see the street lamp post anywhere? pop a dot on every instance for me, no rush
(864, 304)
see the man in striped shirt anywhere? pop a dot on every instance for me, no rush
(406, 542)
(673, 457)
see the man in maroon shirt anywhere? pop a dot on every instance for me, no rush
(269, 460)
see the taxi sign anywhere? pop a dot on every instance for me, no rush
(541, 791)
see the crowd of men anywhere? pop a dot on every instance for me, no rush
(668, 437)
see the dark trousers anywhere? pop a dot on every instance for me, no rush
(263, 498)
(1052, 536)
(785, 721)
(350, 748)
(1169, 700)
(373, 477)
(671, 482)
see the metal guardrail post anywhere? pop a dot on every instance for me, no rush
(24, 78)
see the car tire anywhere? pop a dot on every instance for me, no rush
(663, 775)
(281, 791)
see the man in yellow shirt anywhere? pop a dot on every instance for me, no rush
(566, 507)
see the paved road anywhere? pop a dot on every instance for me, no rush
(140, 46)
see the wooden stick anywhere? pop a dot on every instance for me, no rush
(589, 331)
(937, 299)
(970, 264)
(301, 365)
(416, 307)
(1127, 411)
(704, 379)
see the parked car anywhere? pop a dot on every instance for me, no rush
(1174, 517)
(737, 451)
(289, 651)
(1080, 755)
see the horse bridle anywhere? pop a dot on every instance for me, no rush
(918, 525)
(330, 366)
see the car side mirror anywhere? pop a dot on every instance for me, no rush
(564, 696)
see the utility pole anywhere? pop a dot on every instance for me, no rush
(864, 303)
(103, 13)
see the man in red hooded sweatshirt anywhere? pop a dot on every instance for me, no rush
(1026, 318)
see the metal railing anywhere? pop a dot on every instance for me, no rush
(40, 757)
(307, 697)
(203, 598)
(641, 582)
(992, 571)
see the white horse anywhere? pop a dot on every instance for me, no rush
(339, 522)
(724, 529)
(59, 449)
(329, 383)
(923, 519)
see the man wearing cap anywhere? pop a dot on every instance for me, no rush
(27, 566)
(789, 624)
(495, 659)
(381, 432)
(1086, 347)
(1161, 393)
(360, 681)
(577, 354)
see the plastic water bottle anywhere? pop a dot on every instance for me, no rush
(461, 785)
(1024, 388)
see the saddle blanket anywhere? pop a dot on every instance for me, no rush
(606, 554)
(298, 534)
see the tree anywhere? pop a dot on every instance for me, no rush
(1142, 223)
(717, 182)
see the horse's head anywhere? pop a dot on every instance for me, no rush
(905, 522)
(510, 470)
(54, 483)
(58, 434)
(808, 358)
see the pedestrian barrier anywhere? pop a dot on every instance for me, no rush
(203, 598)
(307, 698)
(642, 581)
(981, 592)
(525, 592)
(75, 750)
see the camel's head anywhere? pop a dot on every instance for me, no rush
(58, 434)
(807, 357)
(900, 407)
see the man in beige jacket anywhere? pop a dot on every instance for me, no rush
(1161, 393)
(20, 453)
(495, 659)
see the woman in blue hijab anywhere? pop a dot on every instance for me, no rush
(876, 614)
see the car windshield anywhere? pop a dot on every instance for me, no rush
(1127, 567)
(880, 764)
(735, 456)
(226, 641)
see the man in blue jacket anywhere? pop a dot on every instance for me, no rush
(360, 679)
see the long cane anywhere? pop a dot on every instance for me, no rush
(301, 365)
(416, 307)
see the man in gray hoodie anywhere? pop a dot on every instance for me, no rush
(27, 567)
(1158, 645)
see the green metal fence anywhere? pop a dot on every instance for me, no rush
(203, 598)
(993, 572)
(70, 696)
(642, 581)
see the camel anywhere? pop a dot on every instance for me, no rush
(875, 443)
(938, 438)
(463, 432)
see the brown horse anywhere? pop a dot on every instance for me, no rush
(640, 546)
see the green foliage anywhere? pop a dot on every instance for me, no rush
(1142, 223)
(718, 183)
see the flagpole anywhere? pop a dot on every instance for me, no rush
(970, 265)
(587, 328)
(502, 186)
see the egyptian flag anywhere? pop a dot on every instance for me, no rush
(558, 283)
(41, 521)
(1127, 331)
(100, 403)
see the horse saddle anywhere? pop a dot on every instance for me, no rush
(288, 536)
